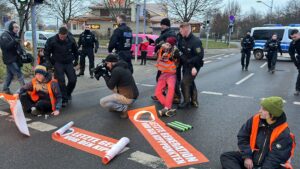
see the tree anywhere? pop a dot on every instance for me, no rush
(4, 9)
(117, 7)
(65, 9)
(188, 9)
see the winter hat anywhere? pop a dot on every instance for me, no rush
(171, 40)
(111, 58)
(41, 70)
(165, 21)
(274, 105)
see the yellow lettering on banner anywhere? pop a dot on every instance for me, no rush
(73, 139)
(100, 148)
(85, 143)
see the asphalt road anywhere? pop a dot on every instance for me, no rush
(227, 96)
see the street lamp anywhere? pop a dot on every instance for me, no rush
(270, 6)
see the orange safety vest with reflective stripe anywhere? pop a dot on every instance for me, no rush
(35, 97)
(166, 65)
(275, 133)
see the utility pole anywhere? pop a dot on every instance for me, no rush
(33, 26)
(137, 20)
(145, 17)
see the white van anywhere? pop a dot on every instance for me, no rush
(41, 37)
(262, 34)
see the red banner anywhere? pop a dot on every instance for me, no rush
(172, 148)
(86, 141)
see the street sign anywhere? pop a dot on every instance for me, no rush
(231, 18)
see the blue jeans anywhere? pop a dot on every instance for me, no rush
(13, 70)
(116, 102)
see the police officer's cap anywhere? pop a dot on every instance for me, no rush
(111, 58)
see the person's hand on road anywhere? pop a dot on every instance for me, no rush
(55, 113)
(248, 163)
(194, 71)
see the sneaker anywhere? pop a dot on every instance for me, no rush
(170, 112)
(124, 115)
(35, 112)
(297, 93)
(162, 112)
(154, 98)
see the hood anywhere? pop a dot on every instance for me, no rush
(9, 26)
(122, 64)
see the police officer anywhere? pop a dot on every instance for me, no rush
(121, 41)
(192, 60)
(88, 42)
(247, 45)
(272, 47)
(293, 49)
(61, 50)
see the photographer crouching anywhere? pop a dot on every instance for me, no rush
(122, 83)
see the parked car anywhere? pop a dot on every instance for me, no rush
(151, 47)
(41, 37)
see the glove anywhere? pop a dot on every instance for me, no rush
(75, 63)
(96, 50)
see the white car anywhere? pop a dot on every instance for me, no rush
(41, 37)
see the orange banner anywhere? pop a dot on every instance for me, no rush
(86, 141)
(172, 148)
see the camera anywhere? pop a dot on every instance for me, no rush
(100, 70)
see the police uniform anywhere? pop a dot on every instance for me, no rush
(121, 41)
(272, 48)
(247, 45)
(191, 57)
(293, 49)
(88, 42)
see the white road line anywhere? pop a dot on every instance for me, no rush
(244, 79)
(296, 103)
(226, 56)
(213, 56)
(263, 65)
(232, 54)
(209, 61)
(239, 96)
(212, 93)
(27, 119)
(41, 126)
(147, 85)
(147, 160)
(219, 58)
(2, 113)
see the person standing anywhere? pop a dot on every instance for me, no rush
(273, 47)
(121, 41)
(144, 50)
(293, 49)
(247, 46)
(61, 50)
(11, 48)
(88, 42)
(191, 60)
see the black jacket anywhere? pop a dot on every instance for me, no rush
(163, 37)
(88, 40)
(45, 95)
(121, 39)
(192, 52)
(247, 43)
(281, 148)
(273, 46)
(293, 49)
(9, 47)
(122, 81)
(61, 51)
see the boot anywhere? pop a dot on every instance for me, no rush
(183, 105)
(195, 104)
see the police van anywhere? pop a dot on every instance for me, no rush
(41, 37)
(262, 34)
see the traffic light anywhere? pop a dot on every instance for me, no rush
(38, 1)
(23, 1)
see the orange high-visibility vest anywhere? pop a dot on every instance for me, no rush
(35, 97)
(165, 66)
(275, 133)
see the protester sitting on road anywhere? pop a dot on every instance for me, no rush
(167, 62)
(122, 83)
(265, 141)
(42, 94)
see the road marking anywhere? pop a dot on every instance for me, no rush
(232, 54)
(2, 113)
(244, 79)
(219, 58)
(212, 93)
(213, 56)
(148, 85)
(207, 62)
(263, 65)
(147, 160)
(239, 96)
(226, 56)
(27, 119)
(41, 126)
(296, 103)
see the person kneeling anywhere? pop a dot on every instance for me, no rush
(166, 63)
(42, 94)
(122, 83)
(265, 141)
